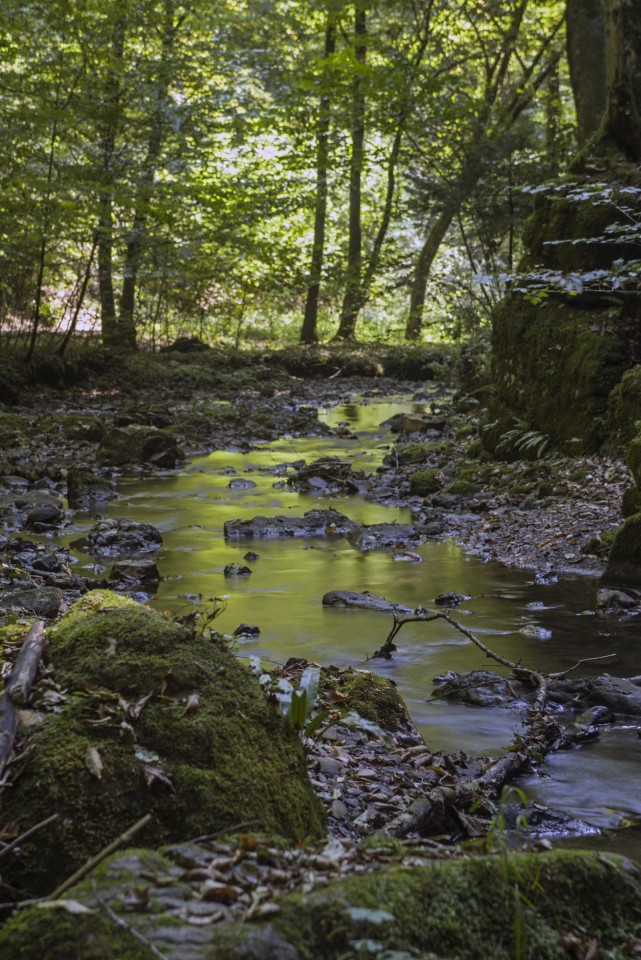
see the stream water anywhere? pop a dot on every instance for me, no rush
(550, 627)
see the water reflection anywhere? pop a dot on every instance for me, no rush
(283, 597)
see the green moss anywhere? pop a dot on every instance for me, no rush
(13, 426)
(424, 482)
(417, 452)
(631, 501)
(554, 368)
(463, 488)
(375, 698)
(634, 459)
(228, 757)
(624, 560)
(625, 404)
(524, 904)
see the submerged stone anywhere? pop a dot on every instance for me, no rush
(315, 523)
(362, 601)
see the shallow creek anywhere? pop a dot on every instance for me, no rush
(550, 627)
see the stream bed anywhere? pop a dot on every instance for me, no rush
(548, 625)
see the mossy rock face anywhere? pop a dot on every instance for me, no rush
(631, 502)
(624, 560)
(501, 907)
(424, 482)
(554, 368)
(634, 459)
(625, 404)
(204, 752)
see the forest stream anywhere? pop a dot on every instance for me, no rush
(549, 623)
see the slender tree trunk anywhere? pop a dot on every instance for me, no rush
(422, 271)
(138, 233)
(113, 93)
(309, 329)
(352, 300)
(585, 27)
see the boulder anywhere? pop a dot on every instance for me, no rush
(362, 601)
(135, 571)
(120, 538)
(139, 444)
(384, 536)
(624, 559)
(161, 721)
(44, 602)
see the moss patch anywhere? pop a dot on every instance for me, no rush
(624, 560)
(375, 698)
(424, 482)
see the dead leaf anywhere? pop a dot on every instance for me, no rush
(153, 772)
(71, 906)
(193, 703)
(139, 706)
(219, 892)
(93, 762)
(135, 898)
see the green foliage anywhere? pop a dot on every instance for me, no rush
(525, 441)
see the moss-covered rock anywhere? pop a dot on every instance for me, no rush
(634, 459)
(631, 502)
(375, 698)
(160, 720)
(424, 482)
(625, 404)
(624, 560)
(410, 453)
(530, 905)
(138, 444)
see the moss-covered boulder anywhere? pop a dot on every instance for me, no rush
(138, 444)
(409, 453)
(631, 501)
(541, 906)
(373, 697)
(159, 719)
(424, 482)
(624, 559)
(625, 404)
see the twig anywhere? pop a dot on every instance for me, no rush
(99, 857)
(227, 830)
(23, 836)
(136, 934)
(564, 673)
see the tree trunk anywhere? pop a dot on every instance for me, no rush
(113, 94)
(353, 298)
(422, 272)
(623, 69)
(585, 25)
(138, 232)
(309, 329)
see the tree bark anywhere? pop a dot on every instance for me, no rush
(138, 233)
(110, 123)
(623, 70)
(422, 272)
(585, 26)
(309, 332)
(352, 300)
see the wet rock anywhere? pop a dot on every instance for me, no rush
(384, 536)
(135, 572)
(114, 538)
(451, 599)
(328, 476)
(42, 601)
(70, 583)
(236, 570)
(85, 487)
(251, 557)
(617, 694)
(362, 601)
(315, 523)
(479, 688)
(44, 517)
(615, 601)
(587, 726)
(424, 482)
(246, 630)
(139, 444)
(240, 483)
(421, 423)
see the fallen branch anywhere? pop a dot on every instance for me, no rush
(99, 857)
(26, 666)
(24, 836)
(17, 689)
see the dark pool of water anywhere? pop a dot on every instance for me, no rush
(283, 595)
